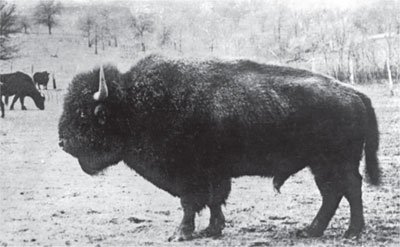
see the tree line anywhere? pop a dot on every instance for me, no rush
(358, 45)
(45, 13)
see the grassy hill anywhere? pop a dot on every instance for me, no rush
(63, 54)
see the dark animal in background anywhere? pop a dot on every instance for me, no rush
(1, 101)
(189, 126)
(20, 85)
(41, 78)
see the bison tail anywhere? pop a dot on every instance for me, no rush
(371, 143)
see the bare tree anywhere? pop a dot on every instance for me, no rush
(165, 35)
(115, 26)
(282, 12)
(46, 12)
(390, 21)
(25, 23)
(104, 22)
(87, 25)
(102, 26)
(142, 24)
(379, 28)
(8, 26)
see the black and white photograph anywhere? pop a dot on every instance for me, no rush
(184, 123)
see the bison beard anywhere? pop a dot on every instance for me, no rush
(190, 126)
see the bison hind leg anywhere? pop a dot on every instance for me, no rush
(336, 179)
(331, 196)
(353, 195)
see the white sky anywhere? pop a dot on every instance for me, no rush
(343, 4)
(306, 4)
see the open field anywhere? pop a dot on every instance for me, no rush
(47, 200)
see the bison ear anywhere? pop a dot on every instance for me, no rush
(101, 114)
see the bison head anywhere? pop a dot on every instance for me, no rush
(89, 128)
(39, 101)
(45, 77)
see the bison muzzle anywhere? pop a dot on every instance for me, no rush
(189, 126)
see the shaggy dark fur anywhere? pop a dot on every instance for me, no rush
(20, 85)
(41, 78)
(190, 126)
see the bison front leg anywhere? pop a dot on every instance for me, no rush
(21, 100)
(218, 193)
(186, 228)
(14, 100)
(217, 223)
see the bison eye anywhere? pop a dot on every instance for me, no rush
(81, 113)
(101, 114)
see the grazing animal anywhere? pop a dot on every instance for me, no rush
(41, 78)
(189, 126)
(20, 85)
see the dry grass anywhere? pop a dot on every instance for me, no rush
(46, 200)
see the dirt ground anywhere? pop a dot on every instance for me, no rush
(47, 200)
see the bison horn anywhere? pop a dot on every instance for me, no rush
(103, 91)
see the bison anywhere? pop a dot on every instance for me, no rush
(41, 78)
(190, 125)
(20, 85)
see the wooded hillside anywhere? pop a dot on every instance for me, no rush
(354, 45)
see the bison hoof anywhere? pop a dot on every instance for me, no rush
(23, 108)
(352, 234)
(180, 236)
(308, 233)
(211, 232)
